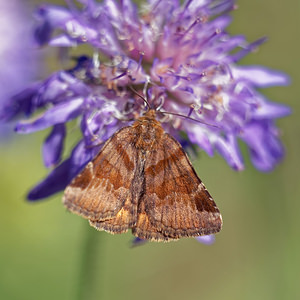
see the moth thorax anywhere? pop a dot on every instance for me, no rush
(147, 134)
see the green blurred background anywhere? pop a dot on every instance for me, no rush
(256, 256)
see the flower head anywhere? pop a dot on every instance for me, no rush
(178, 56)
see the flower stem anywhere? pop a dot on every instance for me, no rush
(89, 280)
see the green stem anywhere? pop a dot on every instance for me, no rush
(90, 265)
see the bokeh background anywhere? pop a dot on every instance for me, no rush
(256, 256)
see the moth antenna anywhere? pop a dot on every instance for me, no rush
(139, 95)
(192, 119)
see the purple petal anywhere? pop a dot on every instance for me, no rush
(233, 42)
(229, 149)
(49, 17)
(222, 6)
(62, 175)
(42, 34)
(206, 239)
(59, 17)
(80, 156)
(53, 145)
(138, 242)
(261, 76)
(131, 12)
(271, 110)
(199, 137)
(61, 87)
(60, 113)
(62, 41)
(20, 103)
(220, 23)
(55, 15)
(249, 48)
(265, 148)
(55, 182)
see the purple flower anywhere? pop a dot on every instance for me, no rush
(179, 56)
(18, 60)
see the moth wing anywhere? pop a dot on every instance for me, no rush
(101, 190)
(175, 203)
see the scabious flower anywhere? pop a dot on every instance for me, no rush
(18, 61)
(178, 55)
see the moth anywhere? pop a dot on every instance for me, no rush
(143, 180)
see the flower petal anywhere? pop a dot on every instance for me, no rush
(21, 103)
(53, 145)
(55, 182)
(271, 110)
(62, 41)
(60, 113)
(206, 239)
(138, 242)
(50, 17)
(247, 49)
(265, 147)
(200, 137)
(62, 175)
(260, 76)
(229, 149)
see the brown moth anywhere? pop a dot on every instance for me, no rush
(142, 179)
